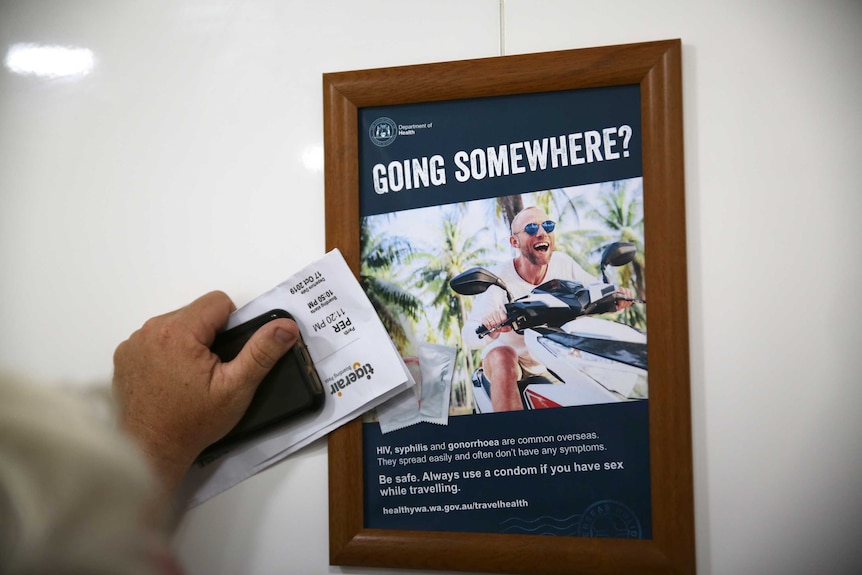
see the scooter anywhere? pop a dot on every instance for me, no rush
(593, 360)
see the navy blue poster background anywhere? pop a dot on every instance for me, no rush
(570, 471)
(562, 123)
(581, 471)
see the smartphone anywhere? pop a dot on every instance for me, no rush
(290, 389)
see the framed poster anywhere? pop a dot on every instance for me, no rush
(513, 212)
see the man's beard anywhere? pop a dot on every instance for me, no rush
(538, 258)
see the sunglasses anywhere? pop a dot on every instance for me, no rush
(532, 228)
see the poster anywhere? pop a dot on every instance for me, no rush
(440, 185)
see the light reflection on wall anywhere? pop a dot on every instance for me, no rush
(312, 158)
(49, 61)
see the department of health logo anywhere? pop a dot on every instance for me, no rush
(383, 132)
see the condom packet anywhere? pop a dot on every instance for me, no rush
(437, 365)
(429, 399)
(402, 410)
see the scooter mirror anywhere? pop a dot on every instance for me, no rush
(475, 281)
(617, 254)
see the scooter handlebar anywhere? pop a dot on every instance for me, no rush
(631, 299)
(482, 331)
(520, 321)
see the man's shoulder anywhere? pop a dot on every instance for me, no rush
(563, 261)
(506, 267)
(564, 266)
(506, 271)
(562, 258)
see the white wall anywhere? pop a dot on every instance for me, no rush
(189, 159)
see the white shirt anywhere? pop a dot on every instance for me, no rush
(561, 266)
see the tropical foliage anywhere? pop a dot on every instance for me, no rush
(381, 258)
(456, 252)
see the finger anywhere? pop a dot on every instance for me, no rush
(260, 353)
(207, 315)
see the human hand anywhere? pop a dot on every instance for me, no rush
(494, 319)
(624, 298)
(175, 396)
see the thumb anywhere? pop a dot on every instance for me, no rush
(261, 352)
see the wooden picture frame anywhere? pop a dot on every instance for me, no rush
(656, 68)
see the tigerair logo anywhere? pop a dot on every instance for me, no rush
(349, 375)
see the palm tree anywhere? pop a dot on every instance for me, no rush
(380, 260)
(561, 205)
(508, 207)
(622, 214)
(455, 253)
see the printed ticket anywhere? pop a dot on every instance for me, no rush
(351, 350)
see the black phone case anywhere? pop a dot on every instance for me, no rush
(291, 388)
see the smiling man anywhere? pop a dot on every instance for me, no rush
(505, 358)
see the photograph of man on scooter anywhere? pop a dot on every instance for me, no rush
(506, 359)
(553, 329)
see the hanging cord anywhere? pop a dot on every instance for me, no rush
(502, 27)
